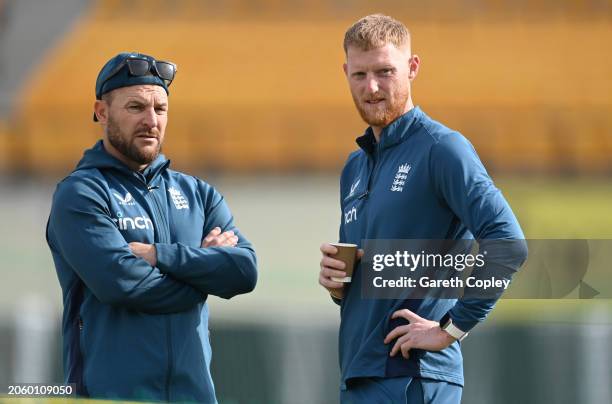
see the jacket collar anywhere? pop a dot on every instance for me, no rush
(98, 157)
(391, 135)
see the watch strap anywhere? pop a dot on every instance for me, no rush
(446, 323)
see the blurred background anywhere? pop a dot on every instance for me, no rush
(260, 109)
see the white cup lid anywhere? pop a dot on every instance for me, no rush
(343, 245)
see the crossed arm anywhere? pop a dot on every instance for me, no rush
(84, 240)
(216, 238)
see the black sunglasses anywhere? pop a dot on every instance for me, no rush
(141, 66)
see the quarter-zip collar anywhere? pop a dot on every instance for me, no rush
(392, 134)
(98, 157)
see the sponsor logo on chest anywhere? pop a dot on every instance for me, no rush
(133, 223)
(127, 200)
(353, 188)
(350, 215)
(130, 222)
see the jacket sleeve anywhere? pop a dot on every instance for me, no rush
(461, 181)
(219, 271)
(82, 232)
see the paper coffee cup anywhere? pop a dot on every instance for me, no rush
(346, 253)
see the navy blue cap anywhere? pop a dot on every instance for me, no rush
(123, 78)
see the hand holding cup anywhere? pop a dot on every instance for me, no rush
(337, 266)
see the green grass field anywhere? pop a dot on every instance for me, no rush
(561, 207)
(287, 218)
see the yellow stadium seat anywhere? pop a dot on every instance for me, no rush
(256, 91)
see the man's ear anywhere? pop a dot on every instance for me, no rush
(413, 63)
(345, 69)
(101, 110)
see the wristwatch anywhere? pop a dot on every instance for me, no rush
(446, 323)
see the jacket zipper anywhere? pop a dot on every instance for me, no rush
(169, 339)
(164, 237)
(365, 196)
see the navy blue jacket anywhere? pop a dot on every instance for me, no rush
(131, 330)
(420, 181)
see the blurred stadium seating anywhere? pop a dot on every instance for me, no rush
(260, 85)
(3, 145)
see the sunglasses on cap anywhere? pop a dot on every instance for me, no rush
(142, 66)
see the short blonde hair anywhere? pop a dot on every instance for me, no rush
(375, 31)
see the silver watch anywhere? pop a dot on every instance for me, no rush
(452, 329)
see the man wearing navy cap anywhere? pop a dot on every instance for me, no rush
(138, 248)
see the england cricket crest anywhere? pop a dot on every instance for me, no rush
(400, 178)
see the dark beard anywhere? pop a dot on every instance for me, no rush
(127, 148)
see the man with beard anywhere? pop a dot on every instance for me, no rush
(138, 248)
(412, 178)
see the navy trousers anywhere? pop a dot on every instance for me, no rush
(400, 390)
